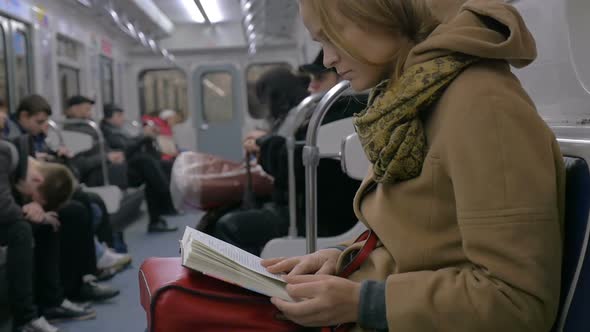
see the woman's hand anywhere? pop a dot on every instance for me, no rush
(325, 300)
(250, 146)
(320, 262)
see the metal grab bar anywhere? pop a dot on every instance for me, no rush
(101, 143)
(292, 122)
(53, 126)
(311, 159)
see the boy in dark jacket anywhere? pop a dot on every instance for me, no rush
(47, 187)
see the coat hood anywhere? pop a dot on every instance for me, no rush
(488, 29)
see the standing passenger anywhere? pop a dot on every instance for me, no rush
(466, 189)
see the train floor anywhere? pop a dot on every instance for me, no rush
(124, 313)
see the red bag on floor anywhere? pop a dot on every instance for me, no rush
(203, 181)
(177, 299)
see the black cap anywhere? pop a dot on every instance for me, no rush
(317, 66)
(77, 100)
(110, 109)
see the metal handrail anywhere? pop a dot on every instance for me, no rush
(292, 122)
(311, 159)
(101, 144)
(53, 125)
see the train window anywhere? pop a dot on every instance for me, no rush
(161, 89)
(21, 68)
(3, 68)
(69, 82)
(253, 73)
(106, 80)
(67, 48)
(218, 101)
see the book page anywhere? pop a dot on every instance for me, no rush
(232, 252)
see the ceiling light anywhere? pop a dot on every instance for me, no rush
(250, 28)
(213, 10)
(114, 15)
(247, 6)
(248, 18)
(86, 3)
(252, 49)
(191, 7)
(152, 44)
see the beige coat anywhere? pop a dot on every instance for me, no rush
(474, 243)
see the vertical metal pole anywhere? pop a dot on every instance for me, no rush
(288, 129)
(311, 159)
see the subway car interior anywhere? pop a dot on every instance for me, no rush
(238, 120)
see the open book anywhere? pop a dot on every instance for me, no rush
(229, 263)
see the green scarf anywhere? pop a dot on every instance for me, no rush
(389, 129)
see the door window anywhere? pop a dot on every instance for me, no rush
(161, 89)
(106, 80)
(21, 67)
(218, 101)
(69, 82)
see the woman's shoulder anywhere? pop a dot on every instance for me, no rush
(486, 87)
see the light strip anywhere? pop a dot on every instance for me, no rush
(191, 7)
(213, 10)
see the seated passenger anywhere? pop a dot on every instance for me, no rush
(143, 166)
(31, 117)
(15, 232)
(251, 229)
(465, 192)
(74, 234)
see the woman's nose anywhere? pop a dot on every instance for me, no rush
(330, 56)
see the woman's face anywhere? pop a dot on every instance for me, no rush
(374, 46)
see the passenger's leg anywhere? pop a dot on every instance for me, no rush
(252, 229)
(143, 168)
(48, 288)
(78, 257)
(102, 227)
(18, 237)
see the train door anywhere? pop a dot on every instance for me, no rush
(17, 56)
(218, 118)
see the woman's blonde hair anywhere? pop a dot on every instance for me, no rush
(411, 19)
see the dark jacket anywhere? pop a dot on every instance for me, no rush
(119, 139)
(9, 210)
(335, 189)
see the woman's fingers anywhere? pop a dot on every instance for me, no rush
(271, 261)
(285, 265)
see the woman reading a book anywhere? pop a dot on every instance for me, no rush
(465, 191)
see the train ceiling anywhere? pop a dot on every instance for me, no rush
(263, 22)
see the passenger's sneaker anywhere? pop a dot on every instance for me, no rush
(93, 291)
(113, 260)
(68, 311)
(38, 325)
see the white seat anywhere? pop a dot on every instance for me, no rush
(78, 142)
(330, 137)
(285, 247)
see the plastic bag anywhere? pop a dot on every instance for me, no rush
(203, 181)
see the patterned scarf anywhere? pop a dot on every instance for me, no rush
(389, 129)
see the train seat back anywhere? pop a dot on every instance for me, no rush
(575, 289)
